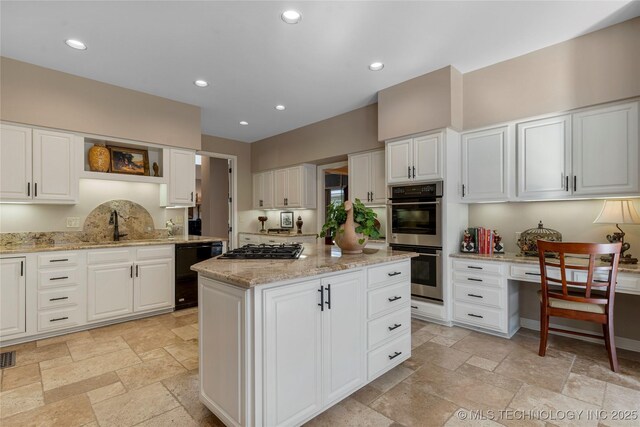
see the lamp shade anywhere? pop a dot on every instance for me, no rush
(618, 212)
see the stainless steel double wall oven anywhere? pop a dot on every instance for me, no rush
(415, 216)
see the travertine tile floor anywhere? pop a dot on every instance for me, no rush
(145, 372)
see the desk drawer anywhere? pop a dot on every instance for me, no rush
(388, 298)
(389, 273)
(58, 259)
(479, 279)
(58, 319)
(59, 297)
(388, 326)
(490, 318)
(478, 295)
(389, 355)
(56, 277)
(624, 284)
(531, 273)
(478, 267)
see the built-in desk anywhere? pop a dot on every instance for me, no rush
(486, 289)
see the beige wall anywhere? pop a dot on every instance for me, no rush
(595, 68)
(347, 133)
(42, 97)
(215, 185)
(428, 102)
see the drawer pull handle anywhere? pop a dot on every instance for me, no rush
(474, 267)
(531, 274)
(396, 298)
(396, 326)
(395, 273)
(58, 299)
(475, 296)
(395, 354)
(59, 278)
(600, 281)
(414, 306)
(475, 315)
(59, 260)
(58, 319)
(474, 280)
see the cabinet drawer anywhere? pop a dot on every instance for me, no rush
(478, 267)
(389, 355)
(58, 319)
(389, 273)
(58, 297)
(480, 279)
(57, 277)
(58, 259)
(99, 256)
(388, 326)
(490, 318)
(155, 252)
(388, 298)
(478, 295)
(624, 284)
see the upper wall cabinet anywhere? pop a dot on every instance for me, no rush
(366, 177)
(37, 166)
(605, 150)
(486, 165)
(263, 190)
(182, 178)
(415, 159)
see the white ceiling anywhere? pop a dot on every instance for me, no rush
(253, 60)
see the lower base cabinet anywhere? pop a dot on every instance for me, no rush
(109, 291)
(153, 285)
(12, 296)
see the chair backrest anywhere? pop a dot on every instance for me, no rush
(599, 274)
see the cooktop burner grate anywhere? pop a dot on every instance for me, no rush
(264, 251)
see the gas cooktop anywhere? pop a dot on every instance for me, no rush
(263, 251)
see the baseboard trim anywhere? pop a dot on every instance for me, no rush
(621, 342)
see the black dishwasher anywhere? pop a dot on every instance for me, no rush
(188, 254)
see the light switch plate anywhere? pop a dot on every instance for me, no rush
(73, 221)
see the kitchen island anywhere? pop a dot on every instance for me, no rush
(283, 340)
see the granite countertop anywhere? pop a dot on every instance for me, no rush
(32, 246)
(514, 258)
(316, 259)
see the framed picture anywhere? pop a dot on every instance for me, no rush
(129, 160)
(286, 219)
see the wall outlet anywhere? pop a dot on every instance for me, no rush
(73, 221)
(179, 219)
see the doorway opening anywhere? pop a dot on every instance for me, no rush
(333, 187)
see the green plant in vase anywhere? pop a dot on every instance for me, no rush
(351, 224)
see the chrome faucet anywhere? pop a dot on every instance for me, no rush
(113, 220)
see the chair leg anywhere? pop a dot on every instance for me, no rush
(544, 330)
(609, 339)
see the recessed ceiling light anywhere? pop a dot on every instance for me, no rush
(280, 107)
(201, 83)
(76, 44)
(291, 16)
(376, 66)
(244, 123)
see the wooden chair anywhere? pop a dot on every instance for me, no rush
(579, 302)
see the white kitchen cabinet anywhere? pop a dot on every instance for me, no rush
(416, 159)
(182, 179)
(605, 150)
(293, 353)
(109, 291)
(38, 166)
(153, 285)
(485, 165)
(544, 158)
(295, 187)
(263, 190)
(366, 177)
(13, 300)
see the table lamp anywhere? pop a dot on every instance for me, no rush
(619, 212)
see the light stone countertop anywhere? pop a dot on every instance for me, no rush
(316, 259)
(70, 246)
(517, 259)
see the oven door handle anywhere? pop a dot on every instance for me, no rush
(437, 202)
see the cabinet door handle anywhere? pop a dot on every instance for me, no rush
(260, 203)
(474, 267)
(475, 296)
(28, 189)
(35, 189)
(463, 190)
(395, 273)
(21, 268)
(475, 315)
(136, 270)
(59, 278)
(58, 319)
(395, 326)
(396, 298)
(408, 172)
(328, 297)
(566, 183)
(474, 279)
(131, 271)
(414, 306)
(59, 260)
(192, 196)
(395, 354)
(531, 274)
(575, 183)
(321, 290)
(58, 299)
(414, 171)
